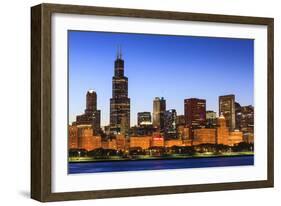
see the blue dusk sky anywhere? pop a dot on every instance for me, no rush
(173, 67)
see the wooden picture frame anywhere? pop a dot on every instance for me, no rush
(41, 96)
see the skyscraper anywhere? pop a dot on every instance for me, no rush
(91, 115)
(195, 112)
(119, 103)
(211, 119)
(91, 101)
(245, 119)
(159, 107)
(170, 126)
(227, 108)
(180, 120)
(144, 118)
(238, 115)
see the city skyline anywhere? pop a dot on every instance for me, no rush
(87, 63)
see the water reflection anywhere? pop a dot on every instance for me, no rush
(117, 166)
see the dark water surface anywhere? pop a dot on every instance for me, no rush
(117, 166)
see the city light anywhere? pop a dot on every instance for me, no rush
(162, 133)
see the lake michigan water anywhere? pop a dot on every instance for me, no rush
(133, 165)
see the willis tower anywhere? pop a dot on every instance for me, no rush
(119, 103)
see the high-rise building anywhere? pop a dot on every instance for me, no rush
(238, 115)
(170, 126)
(227, 108)
(211, 119)
(144, 118)
(180, 120)
(245, 119)
(91, 115)
(91, 101)
(119, 103)
(159, 108)
(195, 112)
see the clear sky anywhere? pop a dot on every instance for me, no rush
(173, 67)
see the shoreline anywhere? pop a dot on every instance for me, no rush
(158, 158)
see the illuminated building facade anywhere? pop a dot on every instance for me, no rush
(157, 140)
(72, 137)
(91, 115)
(85, 132)
(162, 128)
(227, 108)
(159, 108)
(143, 130)
(180, 120)
(120, 142)
(86, 140)
(170, 126)
(195, 112)
(248, 137)
(222, 131)
(112, 144)
(226, 137)
(211, 119)
(143, 142)
(235, 137)
(245, 119)
(238, 115)
(183, 132)
(204, 136)
(119, 103)
(144, 118)
(104, 144)
(173, 142)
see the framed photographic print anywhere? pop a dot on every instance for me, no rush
(130, 102)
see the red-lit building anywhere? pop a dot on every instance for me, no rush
(195, 112)
(157, 140)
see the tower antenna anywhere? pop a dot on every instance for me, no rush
(120, 52)
(117, 53)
